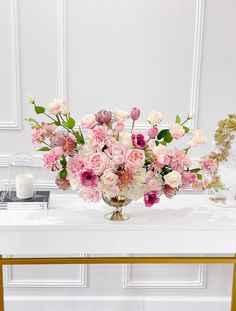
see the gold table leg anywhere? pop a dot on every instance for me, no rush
(1, 286)
(233, 299)
(118, 260)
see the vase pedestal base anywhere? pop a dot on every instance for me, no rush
(117, 216)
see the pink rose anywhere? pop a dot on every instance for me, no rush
(89, 194)
(57, 106)
(119, 125)
(198, 138)
(118, 159)
(51, 158)
(177, 131)
(118, 149)
(208, 165)
(63, 184)
(98, 162)
(135, 158)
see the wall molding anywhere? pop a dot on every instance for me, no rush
(117, 303)
(196, 64)
(199, 282)
(15, 74)
(9, 281)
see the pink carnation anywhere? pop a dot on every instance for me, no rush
(179, 160)
(65, 140)
(38, 136)
(188, 178)
(75, 166)
(208, 165)
(89, 194)
(51, 158)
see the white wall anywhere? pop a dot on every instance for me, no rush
(171, 55)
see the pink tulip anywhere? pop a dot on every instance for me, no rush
(135, 114)
(152, 132)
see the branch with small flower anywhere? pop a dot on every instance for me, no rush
(112, 161)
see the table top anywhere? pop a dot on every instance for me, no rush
(186, 223)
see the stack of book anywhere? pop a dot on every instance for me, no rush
(39, 201)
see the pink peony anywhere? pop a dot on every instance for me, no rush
(51, 158)
(63, 184)
(135, 158)
(103, 117)
(138, 141)
(98, 162)
(90, 194)
(208, 165)
(75, 166)
(151, 197)
(88, 178)
(179, 160)
(152, 132)
(188, 178)
(119, 125)
(38, 136)
(135, 114)
(177, 131)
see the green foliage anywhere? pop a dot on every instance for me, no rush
(186, 129)
(63, 173)
(177, 119)
(165, 135)
(39, 109)
(195, 170)
(79, 137)
(70, 123)
(44, 149)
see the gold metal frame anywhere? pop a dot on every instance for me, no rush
(117, 260)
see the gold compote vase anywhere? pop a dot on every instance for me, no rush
(117, 203)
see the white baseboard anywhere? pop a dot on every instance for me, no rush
(115, 303)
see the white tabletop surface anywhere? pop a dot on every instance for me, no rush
(186, 223)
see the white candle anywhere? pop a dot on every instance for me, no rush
(24, 186)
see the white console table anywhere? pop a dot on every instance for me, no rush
(186, 224)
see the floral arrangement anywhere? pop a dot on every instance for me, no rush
(100, 156)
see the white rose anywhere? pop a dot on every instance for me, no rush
(109, 178)
(160, 150)
(177, 131)
(121, 115)
(125, 139)
(173, 179)
(198, 138)
(74, 183)
(88, 121)
(155, 117)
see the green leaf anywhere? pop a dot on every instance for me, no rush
(39, 109)
(163, 143)
(44, 149)
(156, 142)
(186, 129)
(65, 123)
(63, 173)
(177, 119)
(79, 137)
(162, 134)
(195, 170)
(57, 123)
(199, 176)
(63, 161)
(168, 138)
(71, 123)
